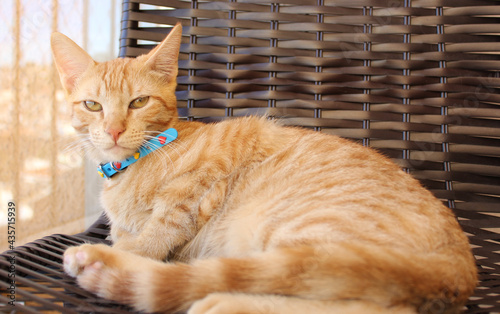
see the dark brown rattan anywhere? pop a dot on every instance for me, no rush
(417, 80)
(41, 285)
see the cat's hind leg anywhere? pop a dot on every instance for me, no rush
(229, 303)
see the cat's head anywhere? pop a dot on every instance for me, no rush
(121, 103)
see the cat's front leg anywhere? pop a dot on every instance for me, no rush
(181, 209)
(147, 285)
(164, 231)
(113, 274)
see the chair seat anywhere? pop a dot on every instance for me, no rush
(42, 286)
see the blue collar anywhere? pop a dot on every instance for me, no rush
(113, 167)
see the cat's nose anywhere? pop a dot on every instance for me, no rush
(115, 133)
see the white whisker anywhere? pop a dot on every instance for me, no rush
(163, 155)
(80, 143)
(157, 153)
(174, 146)
(164, 158)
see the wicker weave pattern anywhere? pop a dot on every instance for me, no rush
(415, 79)
(41, 284)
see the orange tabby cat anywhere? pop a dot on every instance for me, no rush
(259, 218)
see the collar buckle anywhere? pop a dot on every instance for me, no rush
(101, 171)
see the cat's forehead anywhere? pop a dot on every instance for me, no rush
(117, 75)
(116, 69)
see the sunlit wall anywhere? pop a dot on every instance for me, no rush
(41, 170)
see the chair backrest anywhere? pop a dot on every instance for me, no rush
(412, 79)
(415, 79)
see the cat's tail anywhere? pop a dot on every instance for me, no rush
(389, 277)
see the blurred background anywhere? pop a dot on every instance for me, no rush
(41, 171)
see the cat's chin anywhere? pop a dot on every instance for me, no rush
(117, 153)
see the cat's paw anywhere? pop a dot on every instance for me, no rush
(77, 259)
(101, 269)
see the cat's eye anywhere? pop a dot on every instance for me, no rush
(139, 102)
(92, 105)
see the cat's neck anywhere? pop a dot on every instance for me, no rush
(108, 170)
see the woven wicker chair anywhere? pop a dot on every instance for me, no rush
(416, 80)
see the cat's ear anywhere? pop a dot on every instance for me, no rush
(163, 58)
(71, 60)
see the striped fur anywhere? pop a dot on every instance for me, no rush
(254, 217)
